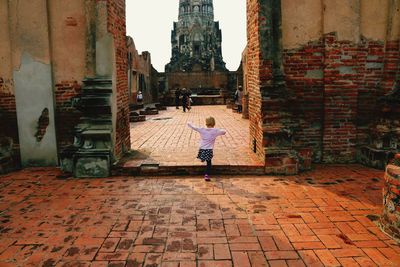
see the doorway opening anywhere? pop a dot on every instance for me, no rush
(159, 132)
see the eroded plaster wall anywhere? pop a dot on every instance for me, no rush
(33, 86)
(301, 22)
(47, 48)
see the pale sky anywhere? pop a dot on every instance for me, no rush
(150, 22)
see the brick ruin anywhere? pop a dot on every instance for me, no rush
(314, 84)
(40, 67)
(319, 77)
(141, 75)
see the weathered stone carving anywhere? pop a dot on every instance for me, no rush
(90, 155)
(384, 139)
(390, 220)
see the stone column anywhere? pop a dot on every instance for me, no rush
(278, 125)
(102, 135)
(91, 20)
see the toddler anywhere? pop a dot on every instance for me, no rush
(208, 136)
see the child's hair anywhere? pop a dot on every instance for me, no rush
(210, 122)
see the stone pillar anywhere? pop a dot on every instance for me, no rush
(102, 135)
(390, 220)
(32, 74)
(277, 100)
(104, 42)
(91, 20)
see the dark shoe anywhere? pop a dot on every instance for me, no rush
(207, 178)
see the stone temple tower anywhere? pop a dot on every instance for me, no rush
(196, 39)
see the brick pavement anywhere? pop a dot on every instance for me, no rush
(165, 139)
(317, 218)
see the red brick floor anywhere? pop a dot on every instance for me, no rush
(165, 138)
(317, 218)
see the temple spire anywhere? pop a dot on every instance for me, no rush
(196, 38)
(203, 8)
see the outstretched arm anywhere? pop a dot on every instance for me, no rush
(221, 132)
(193, 127)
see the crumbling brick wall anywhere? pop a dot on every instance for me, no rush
(8, 124)
(258, 71)
(67, 116)
(335, 72)
(117, 27)
(337, 84)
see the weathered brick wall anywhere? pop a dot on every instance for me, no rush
(303, 69)
(391, 65)
(257, 71)
(371, 61)
(8, 124)
(342, 80)
(117, 27)
(335, 72)
(67, 117)
(337, 84)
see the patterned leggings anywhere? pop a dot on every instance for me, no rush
(208, 167)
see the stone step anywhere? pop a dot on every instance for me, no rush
(137, 118)
(157, 170)
(148, 112)
(136, 106)
(97, 132)
(162, 108)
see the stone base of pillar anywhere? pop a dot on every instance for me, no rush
(305, 158)
(92, 164)
(283, 162)
(288, 162)
(7, 158)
